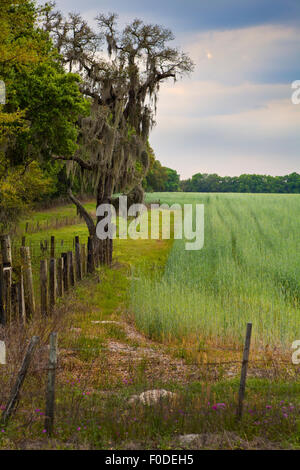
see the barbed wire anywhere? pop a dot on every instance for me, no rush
(151, 360)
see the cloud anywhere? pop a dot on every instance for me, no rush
(208, 98)
(196, 15)
(256, 140)
(267, 53)
(234, 114)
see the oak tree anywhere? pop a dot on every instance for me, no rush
(121, 72)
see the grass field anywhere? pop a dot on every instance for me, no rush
(248, 271)
(198, 302)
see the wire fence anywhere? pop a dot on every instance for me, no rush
(38, 275)
(74, 389)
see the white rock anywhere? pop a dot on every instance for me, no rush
(151, 397)
(210, 440)
(187, 439)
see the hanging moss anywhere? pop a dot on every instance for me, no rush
(123, 87)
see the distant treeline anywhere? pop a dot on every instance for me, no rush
(163, 179)
(160, 178)
(212, 183)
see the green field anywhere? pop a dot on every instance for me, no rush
(248, 271)
(195, 304)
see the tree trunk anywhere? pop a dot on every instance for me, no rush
(104, 196)
(103, 248)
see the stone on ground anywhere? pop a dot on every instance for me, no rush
(151, 397)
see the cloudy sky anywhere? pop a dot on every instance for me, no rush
(234, 114)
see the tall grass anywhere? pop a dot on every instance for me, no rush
(248, 271)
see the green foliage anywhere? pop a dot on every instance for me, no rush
(21, 46)
(18, 190)
(205, 183)
(160, 178)
(52, 104)
(173, 180)
(39, 119)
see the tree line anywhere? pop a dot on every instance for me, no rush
(213, 183)
(163, 179)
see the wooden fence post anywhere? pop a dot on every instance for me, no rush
(78, 259)
(50, 391)
(65, 272)
(7, 285)
(2, 311)
(52, 284)
(244, 371)
(13, 399)
(14, 300)
(21, 298)
(6, 250)
(28, 281)
(52, 249)
(6, 277)
(71, 268)
(90, 256)
(83, 259)
(44, 287)
(60, 277)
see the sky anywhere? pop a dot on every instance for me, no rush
(234, 114)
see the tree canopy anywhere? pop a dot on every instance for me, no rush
(160, 178)
(43, 103)
(121, 72)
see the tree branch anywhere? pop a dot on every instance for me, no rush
(82, 163)
(84, 213)
(95, 96)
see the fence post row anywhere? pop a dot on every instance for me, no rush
(18, 299)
